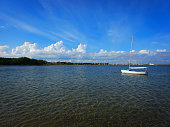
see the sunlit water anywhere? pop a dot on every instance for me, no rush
(83, 96)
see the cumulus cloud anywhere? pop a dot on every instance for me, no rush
(4, 48)
(58, 52)
(161, 50)
(81, 48)
(120, 52)
(55, 48)
(24, 49)
(53, 51)
(102, 51)
(132, 51)
(144, 51)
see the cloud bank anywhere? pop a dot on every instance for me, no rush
(58, 52)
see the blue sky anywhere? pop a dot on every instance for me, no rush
(93, 25)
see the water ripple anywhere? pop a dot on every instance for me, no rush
(83, 96)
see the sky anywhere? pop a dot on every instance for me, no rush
(86, 30)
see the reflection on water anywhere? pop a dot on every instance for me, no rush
(83, 96)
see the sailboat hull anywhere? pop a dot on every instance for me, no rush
(134, 72)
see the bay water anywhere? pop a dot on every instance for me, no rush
(84, 95)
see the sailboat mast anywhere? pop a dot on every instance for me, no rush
(130, 51)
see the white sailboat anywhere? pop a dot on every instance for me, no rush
(135, 70)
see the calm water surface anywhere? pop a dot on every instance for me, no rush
(83, 96)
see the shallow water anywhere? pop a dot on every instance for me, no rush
(83, 96)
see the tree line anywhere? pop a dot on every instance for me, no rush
(21, 61)
(28, 61)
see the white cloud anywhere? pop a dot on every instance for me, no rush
(4, 51)
(3, 48)
(55, 48)
(120, 52)
(58, 52)
(161, 50)
(81, 48)
(144, 51)
(132, 51)
(102, 51)
(26, 49)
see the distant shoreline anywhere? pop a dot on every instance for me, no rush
(88, 65)
(24, 61)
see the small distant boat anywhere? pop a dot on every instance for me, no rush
(151, 64)
(135, 70)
